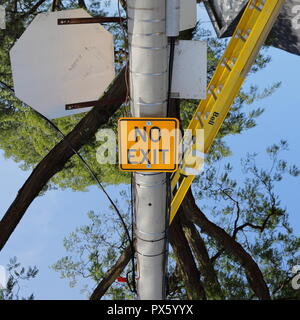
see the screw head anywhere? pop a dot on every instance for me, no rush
(148, 123)
(148, 165)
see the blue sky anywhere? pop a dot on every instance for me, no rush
(38, 238)
(279, 121)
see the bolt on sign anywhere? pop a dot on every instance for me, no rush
(148, 144)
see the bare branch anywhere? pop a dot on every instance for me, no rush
(262, 227)
(238, 212)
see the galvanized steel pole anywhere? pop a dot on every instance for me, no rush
(148, 52)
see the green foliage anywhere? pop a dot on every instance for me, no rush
(16, 277)
(92, 250)
(251, 211)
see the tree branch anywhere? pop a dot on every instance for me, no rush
(33, 9)
(123, 4)
(238, 212)
(262, 227)
(82, 4)
(232, 247)
(216, 256)
(55, 5)
(5, 86)
(112, 274)
(61, 153)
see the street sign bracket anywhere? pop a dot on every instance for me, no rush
(79, 105)
(66, 21)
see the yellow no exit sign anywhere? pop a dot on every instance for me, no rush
(148, 144)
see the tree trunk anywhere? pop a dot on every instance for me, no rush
(186, 262)
(211, 284)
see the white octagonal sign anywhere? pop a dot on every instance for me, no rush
(54, 65)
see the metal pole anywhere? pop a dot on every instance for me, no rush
(148, 51)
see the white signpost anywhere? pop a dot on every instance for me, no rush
(55, 65)
(188, 14)
(190, 70)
